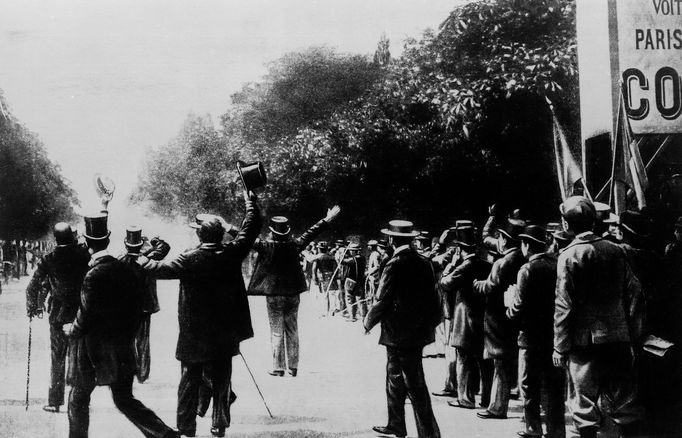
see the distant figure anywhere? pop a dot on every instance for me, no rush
(279, 276)
(354, 284)
(408, 308)
(59, 276)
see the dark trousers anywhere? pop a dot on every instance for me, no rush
(283, 315)
(142, 348)
(122, 392)
(537, 375)
(607, 371)
(220, 374)
(472, 369)
(502, 382)
(59, 345)
(355, 305)
(405, 378)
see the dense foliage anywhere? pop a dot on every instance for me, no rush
(33, 194)
(460, 120)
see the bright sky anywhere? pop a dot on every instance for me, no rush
(102, 81)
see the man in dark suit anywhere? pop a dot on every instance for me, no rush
(499, 332)
(157, 250)
(60, 274)
(102, 351)
(595, 293)
(213, 314)
(532, 307)
(408, 308)
(279, 276)
(467, 316)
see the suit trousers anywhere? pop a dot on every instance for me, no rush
(142, 348)
(450, 360)
(59, 346)
(405, 378)
(537, 375)
(219, 372)
(472, 369)
(355, 305)
(503, 375)
(605, 370)
(283, 315)
(142, 417)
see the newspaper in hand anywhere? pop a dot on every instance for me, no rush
(510, 295)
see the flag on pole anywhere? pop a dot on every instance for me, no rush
(568, 170)
(628, 171)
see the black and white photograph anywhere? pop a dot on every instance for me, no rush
(341, 219)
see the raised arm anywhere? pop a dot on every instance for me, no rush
(489, 285)
(304, 239)
(242, 244)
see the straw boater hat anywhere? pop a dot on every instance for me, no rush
(534, 234)
(279, 225)
(133, 237)
(96, 227)
(400, 228)
(372, 243)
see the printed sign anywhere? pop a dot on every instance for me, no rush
(650, 59)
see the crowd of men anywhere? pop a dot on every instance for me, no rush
(573, 315)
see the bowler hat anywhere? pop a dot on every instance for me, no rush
(578, 209)
(280, 225)
(63, 234)
(465, 236)
(512, 228)
(133, 236)
(534, 233)
(635, 223)
(96, 227)
(400, 228)
(252, 175)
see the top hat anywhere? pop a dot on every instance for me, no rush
(400, 228)
(200, 219)
(96, 227)
(465, 236)
(354, 246)
(512, 228)
(578, 209)
(635, 223)
(252, 175)
(534, 233)
(133, 236)
(280, 225)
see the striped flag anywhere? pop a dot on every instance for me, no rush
(568, 170)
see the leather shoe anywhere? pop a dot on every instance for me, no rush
(233, 398)
(387, 431)
(459, 404)
(276, 373)
(445, 393)
(293, 372)
(489, 415)
(528, 434)
(218, 431)
(51, 409)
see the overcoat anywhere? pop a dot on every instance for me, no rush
(150, 298)
(500, 332)
(408, 305)
(278, 270)
(469, 307)
(596, 292)
(213, 309)
(533, 305)
(105, 325)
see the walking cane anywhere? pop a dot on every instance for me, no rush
(255, 383)
(28, 364)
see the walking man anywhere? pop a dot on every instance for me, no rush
(279, 276)
(354, 284)
(59, 275)
(595, 291)
(102, 351)
(408, 309)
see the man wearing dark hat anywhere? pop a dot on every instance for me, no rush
(102, 350)
(339, 252)
(60, 274)
(408, 309)
(592, 324)
(467, 320)
(323, 268)
(157, 250)
(213, 313)
(533, 308)
(278, 276)
(354, 284)
(500, 333)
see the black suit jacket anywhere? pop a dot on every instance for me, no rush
(213, 310)
(408, 305)
(105, 325)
